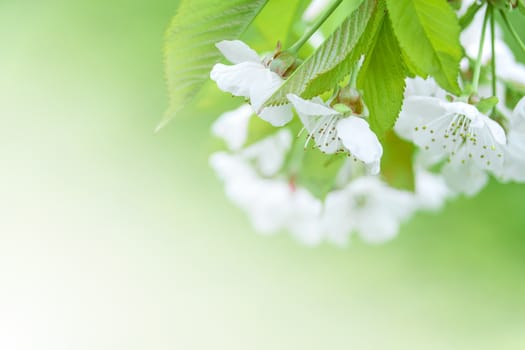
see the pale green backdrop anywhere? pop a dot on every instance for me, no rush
(113, 237)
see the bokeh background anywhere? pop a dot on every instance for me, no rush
(113, 237)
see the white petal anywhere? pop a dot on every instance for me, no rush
(514, 165)
(236, 51)
(238, 79)
(305, 219)
(417, 112)
(431, 190)
(380, 230)
(230, 168)
(278, 115)
(362, 143)
(423, 87)
(310, 108)
(270, 153)
(338, 220)
(232, 126)
(518, 117)
(468, 180)
(263, 87)
(320, 121)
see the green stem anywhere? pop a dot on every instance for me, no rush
(512, 30)
(353, 76)
(310, 31)
(493, 50)
(477, 67)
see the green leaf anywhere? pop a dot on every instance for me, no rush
(328, 56)
(428, 31)
(382, 79)
(396, 164)
(288, 12)
(343, 68)
(190, 50)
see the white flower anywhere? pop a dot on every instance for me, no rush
(455, 130)
(417, 87)
(250, 78)
(514, 164)
(232, 126)
(335, 132)
(268, 155)
(471, 142)
(366, 206)
(431, 190)
(273, 203)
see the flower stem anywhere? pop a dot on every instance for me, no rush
(310, 31)
(512, 30)
(493, 50)
(477, 67)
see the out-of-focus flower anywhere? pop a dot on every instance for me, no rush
(334, 131)
(369, 207)
(268, 155)
(273, 203)
(431, 190)
(423, 87)
(249, 77)
(232, 126)
(514, 164)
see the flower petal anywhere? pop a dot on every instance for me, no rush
(270, 153)
(362, 143)
(232, 126)
(314, 107)
(278, 115)
(239, 79)
(468, 179)
(236, 51)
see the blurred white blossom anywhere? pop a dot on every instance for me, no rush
(232, 126)
(366, 206)
(514, 164)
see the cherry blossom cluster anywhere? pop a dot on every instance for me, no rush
(459, 145)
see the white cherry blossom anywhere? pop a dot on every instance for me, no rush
(250, 78)
(333, 131)
(431, 190)
(369, 207)
(455, 130)
(417, 87)
(272, 202)
(232, 126)
(514, 164)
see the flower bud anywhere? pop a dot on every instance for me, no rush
(283, 63)
(351, 97)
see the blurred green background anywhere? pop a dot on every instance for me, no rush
(113, 237)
